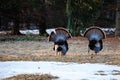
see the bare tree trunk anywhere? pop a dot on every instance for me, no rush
(15, 29)
(117, 32)
(42, 26)
(42, 23)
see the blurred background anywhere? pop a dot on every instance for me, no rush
(75, 15)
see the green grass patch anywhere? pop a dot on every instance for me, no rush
(22, 38)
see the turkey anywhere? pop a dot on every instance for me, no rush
(60, 37)
(95, 35)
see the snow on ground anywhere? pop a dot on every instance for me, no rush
(48, 31)
(65, 71)
(108, 29)
(36, 31)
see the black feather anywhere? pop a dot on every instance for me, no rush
(95, 36)
(60, 37)
(95, 45)
(62, 46)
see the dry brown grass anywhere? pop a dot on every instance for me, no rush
(43, 51)
(32, 77)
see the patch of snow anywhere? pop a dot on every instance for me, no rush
(65, 71)
(108, 29)
(5, 32)
(50, 30)
(36, 31)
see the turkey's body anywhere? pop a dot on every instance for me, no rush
(59, 37)
(95, 45)
(60, 44)
(95, 36)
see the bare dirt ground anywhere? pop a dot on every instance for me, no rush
(43, 51)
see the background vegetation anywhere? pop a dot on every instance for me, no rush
(75, 15)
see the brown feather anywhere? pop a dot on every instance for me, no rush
(59, 31)
(94, 28)
(51, 36)
(63, 31)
